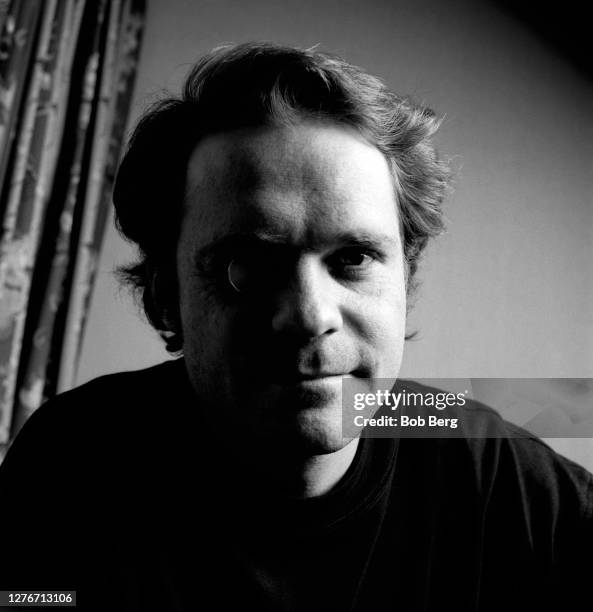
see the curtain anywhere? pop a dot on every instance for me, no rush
(67, 69)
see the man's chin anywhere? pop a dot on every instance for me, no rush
(318, 432)
(306, 416)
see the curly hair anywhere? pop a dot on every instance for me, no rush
(257, 84)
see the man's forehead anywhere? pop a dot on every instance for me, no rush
(247, 158)
(221, 163)
(267, 178)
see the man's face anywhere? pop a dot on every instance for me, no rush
(305, 217)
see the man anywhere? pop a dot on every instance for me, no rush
(280, 206)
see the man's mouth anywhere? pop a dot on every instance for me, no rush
(299, 377)
(304, 368)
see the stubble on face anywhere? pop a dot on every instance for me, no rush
(316, 203)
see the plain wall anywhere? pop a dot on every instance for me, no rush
(508, 291)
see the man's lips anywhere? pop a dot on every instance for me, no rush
(304, 377)
(276, 374)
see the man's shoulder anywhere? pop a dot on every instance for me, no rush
(500, 456)
(140, 383)
(102, 412)
(126, 392)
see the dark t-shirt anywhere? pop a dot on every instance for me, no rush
(113, 490)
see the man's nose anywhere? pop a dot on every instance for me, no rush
(308, 306)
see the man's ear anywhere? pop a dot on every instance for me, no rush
(409, 283)
(411, 293)
(164, 293)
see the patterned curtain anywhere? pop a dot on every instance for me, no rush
(67, 69)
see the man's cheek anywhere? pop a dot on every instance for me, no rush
(389, 334)
(387, 318)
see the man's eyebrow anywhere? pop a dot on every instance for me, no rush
(240, 239)
(367, 239)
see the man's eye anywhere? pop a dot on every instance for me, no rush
(352, 264)
(256, 269)
(352, 258)
(247, 270)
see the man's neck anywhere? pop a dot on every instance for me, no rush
(319, 474)
(293, 476)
